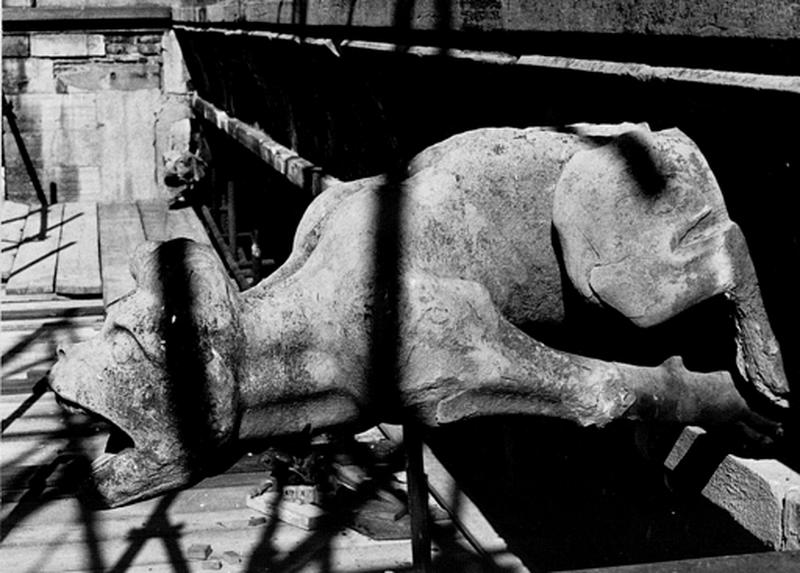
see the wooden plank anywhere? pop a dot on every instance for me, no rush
(13, 222)
(184, 223)
(154, 219)
(18, 365)
(120, 228)
(15, 342)
(161, 223)
(30, 325)
(67, 549)
(79, 264)
(34, 268)
(43, 450)
(38, 309)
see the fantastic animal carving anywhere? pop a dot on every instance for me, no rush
(489, 234)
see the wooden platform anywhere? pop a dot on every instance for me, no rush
(87, 246)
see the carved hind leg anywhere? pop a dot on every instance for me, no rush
(463, 360)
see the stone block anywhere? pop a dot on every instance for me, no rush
(752, 492)
(149, 49)
(17, 4)
(682, 446)
(16, 46)
(128, 158)
(149, 39)
(175, 74)
(74, 183)
(65, 3)
(32, 110)
(33, 144)
(75, 147)
(97, 76)
(120, 39)
(791, 520)
(762, 495)
(76, 111)
(120, 49)
(199, 551)
(18, 183)
(67, 45)
(28, 75)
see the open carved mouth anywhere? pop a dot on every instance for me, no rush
(118, 439)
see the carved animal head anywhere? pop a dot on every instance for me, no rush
(644, 230)
(161, 371)
(182, 168)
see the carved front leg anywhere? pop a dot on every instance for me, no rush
(468, 361)
(136, 473)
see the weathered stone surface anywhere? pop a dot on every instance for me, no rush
(408, 298)
(16, 46)
(76, 135)
(761, 495)
(28, 75)
(707, 18)
(128, 164)
(96, 76)
(791, 519)
(753, 492)
(174, 72)
(67, 45)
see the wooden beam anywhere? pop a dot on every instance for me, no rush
(34, 268)
(638, 71)
(283, 160)
(87, 18)
(120, 232)
(79, 265)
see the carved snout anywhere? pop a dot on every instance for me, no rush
(651, 251)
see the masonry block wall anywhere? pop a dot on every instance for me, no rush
(96, 110)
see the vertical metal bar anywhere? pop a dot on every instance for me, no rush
(417, 499)
(255, 253)
(26, 159)
(231, 208)
(53, 193)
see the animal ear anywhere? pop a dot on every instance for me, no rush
(641, 221)
(186, 277)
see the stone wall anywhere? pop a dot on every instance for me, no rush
(96, 111)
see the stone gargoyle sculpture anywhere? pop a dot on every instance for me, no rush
(495, 227)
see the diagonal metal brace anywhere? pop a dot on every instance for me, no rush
(8, 112)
